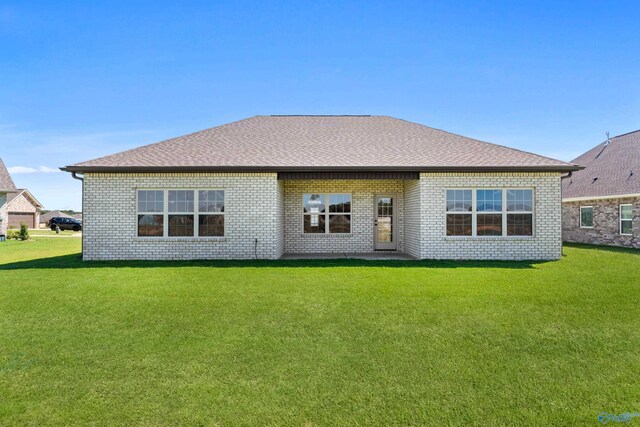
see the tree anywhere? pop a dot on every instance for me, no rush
(24, 232)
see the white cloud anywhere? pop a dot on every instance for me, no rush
(26, 169)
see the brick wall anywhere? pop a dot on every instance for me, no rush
(412, 218)
(3, 213)
(21, 205)
(362, 215)
(606, 222)
(252, 211)
(546, 243)
(259, 206)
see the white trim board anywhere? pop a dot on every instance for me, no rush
(613, 196)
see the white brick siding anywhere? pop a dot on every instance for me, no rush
(251, 212)
(362, 214)
(546, 242)
(412, 218)
(257, 205)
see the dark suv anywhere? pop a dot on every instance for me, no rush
(65, 223)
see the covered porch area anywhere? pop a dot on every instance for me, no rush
(360, 215)
(370, 256)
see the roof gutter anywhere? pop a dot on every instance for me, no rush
(184, 169)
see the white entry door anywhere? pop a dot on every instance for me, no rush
(384, 231)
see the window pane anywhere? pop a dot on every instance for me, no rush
(211, 201)
(211, 225)
(150, 225)
(586, 217)
(489, 200)
(519, 225)
(385, 206)
(181, 225)
(459, 200)
(313, 203)
(626, 226)
(459, 225)
(180, 200)
(339, 223)
(626, 212)
(340, 203)
(489, 225)
(314, 223)
(520, 200)
(150, 200)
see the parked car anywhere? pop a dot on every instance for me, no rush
(65, 223)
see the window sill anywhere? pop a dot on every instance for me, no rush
(325, 235)
(180, 239)
(494, 238)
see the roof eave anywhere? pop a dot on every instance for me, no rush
(175, 169)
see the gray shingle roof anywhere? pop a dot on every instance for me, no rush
(6, 183)
(609, 169)
(286, 143)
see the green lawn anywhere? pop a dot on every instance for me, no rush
(316, 342)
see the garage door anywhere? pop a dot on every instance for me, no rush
(15, 218)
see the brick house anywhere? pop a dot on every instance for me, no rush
(7, 188)
(270, 185)
(601, 203)
(23, 207)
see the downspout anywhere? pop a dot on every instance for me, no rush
(81, 179)
(568, 175)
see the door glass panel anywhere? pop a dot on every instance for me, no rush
(384, 232)
(385, 229)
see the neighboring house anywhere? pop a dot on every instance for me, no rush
(601, 204)
(77, 216)
(7, 187)
(46, 217)
(270, 185)
(23, 207)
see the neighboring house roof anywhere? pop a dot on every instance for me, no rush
(77, 216)
(46, 217)
(6, 183)
(610, 169)
(326, 143)
(27, 194)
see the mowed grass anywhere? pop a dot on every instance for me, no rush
(316, 342)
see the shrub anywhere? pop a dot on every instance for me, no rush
(12, 233)
(23, 234)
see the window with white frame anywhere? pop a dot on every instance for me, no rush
(326, 213)
(489, 212)
(180, 213)
(586, 216)
(626, 219)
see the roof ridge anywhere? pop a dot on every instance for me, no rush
(628, 133)
(320, 115)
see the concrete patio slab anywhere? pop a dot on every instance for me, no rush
(375, 256)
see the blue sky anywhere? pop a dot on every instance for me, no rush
(86, 79)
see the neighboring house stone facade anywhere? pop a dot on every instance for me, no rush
(23, 207)
(7, 188)
(3, 214)
(322, 185)
(607, 190)
(606, 229)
